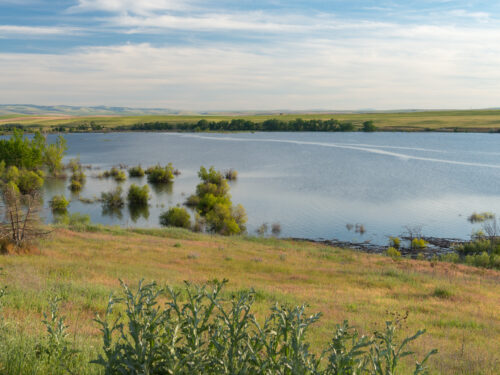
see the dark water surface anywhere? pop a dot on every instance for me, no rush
(313, 184)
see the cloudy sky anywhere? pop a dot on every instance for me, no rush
(251, 55)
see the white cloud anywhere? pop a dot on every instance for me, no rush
(385, 67)
(248, 21)
(10, 30)
(141, 7)
(478, 16)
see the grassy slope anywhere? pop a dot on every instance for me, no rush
(84, 268)
(475, 120)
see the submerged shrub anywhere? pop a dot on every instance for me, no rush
(78, 179)
(160, 175)
(74, 164)
(138, 196)
(115, 173)
(176, 217)
(75, 186)
(204, 333)
(480, 217)
(276, 228)
(59, 204)
(230, 174)
(113, 198)
(262, 230)
(120, 176)
(136, 171)
(213, 202)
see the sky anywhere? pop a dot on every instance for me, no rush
(251, 55)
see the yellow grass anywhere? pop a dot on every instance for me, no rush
(83, 268)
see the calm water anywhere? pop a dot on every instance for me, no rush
(313, 184)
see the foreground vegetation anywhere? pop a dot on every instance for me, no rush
(473, 121)
(458, 305)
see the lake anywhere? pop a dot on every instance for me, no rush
(313, 184)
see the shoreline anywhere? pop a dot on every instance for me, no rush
(436, 246)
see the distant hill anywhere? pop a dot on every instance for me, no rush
(66, 110)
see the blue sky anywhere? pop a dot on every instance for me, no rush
(251, 55)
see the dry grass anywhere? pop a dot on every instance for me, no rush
(458, 305)
(466, 120)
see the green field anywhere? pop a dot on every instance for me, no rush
(473, 121)
(458, 305)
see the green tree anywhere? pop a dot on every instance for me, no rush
(53, 155)
(369, 126)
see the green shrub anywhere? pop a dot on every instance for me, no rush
(138, 196)
(474, 247)
(450, 257)
(74, 221)
(442, 293)
(160, 175)
(480, 260)
(495, 261)
(393, 253)
(176, 217)
(394, 242)
(113, 198)
(198, 331)
(59, 204)
(418, 243)
(136, 171)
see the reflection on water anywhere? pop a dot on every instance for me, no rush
(313, 184)
(138, 212)
(162, 189)
(112, 212)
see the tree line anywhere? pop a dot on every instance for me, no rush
(277, 125)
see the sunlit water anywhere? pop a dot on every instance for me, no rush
(313, 184)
